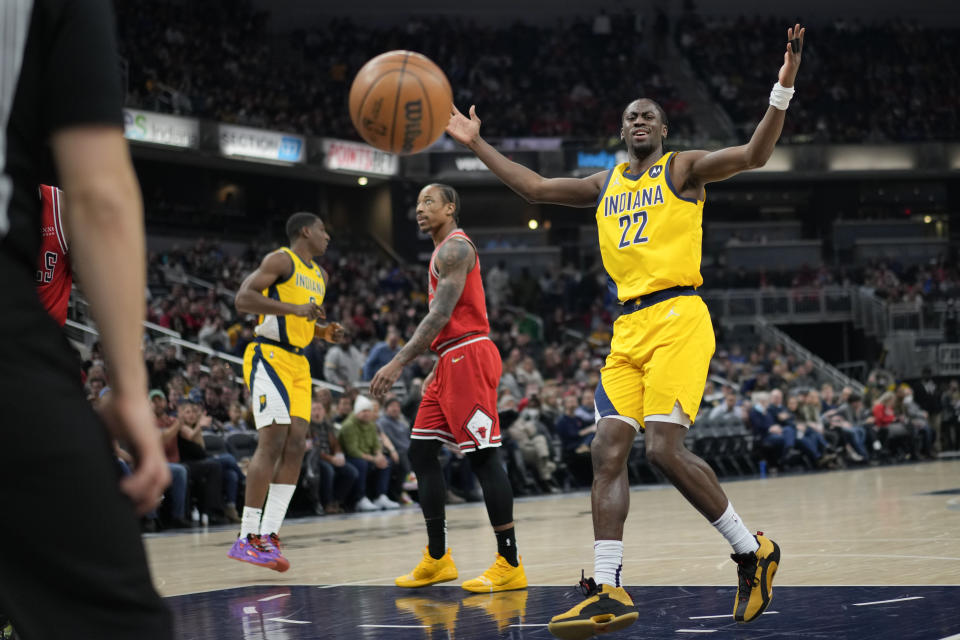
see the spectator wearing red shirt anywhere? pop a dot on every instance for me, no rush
(893, 434)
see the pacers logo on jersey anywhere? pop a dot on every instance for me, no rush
(263, 402)
(655, 170)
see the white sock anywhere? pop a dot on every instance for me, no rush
(731, 527)
(250, 521)
(276, 508)
(607, 562)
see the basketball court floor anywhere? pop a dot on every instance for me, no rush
(869, 553)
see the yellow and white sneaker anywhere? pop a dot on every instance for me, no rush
(755, 573)
(429, 571)
(501, 576)
(604, 609)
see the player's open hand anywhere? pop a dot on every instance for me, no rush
(791, 57)
(385, 378)
(310, 311)
(131, 420)
(462, 129)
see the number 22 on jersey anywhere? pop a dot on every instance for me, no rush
(638, 220)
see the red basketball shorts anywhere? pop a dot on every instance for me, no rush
(460, 405)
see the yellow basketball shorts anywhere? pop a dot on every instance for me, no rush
(279, 383)
(659, 357)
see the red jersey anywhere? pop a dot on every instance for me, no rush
(469, 317)
(54, 277)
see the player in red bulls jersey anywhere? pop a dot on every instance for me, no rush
(54, 276)
(459, 405)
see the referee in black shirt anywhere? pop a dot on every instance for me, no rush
(72, 564)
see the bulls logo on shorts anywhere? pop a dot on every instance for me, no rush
(655, 170)
(480, 426)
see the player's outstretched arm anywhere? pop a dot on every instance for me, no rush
(531, 186)
(274, 267)
(693, 169)
(454, 261)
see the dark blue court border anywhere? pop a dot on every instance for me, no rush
(301, 612)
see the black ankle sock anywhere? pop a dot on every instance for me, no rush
(507, 545)
(437, 537)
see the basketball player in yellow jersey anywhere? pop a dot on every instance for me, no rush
(648, 213)
(286, 290)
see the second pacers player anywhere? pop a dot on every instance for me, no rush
(286, 290)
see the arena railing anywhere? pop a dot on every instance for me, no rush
(880, 318)
(800, 305)
(177, 276)
(165, 336)
(775, 336)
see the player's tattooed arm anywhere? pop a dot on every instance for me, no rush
(454, 261)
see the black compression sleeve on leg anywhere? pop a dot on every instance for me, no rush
(431, 487)
(497, 493)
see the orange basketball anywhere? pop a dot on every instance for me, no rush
(400, 102)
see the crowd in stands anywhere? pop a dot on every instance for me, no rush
(892, 281)
(381, 302)
(219, 60)
(781, 408)
(876, 82)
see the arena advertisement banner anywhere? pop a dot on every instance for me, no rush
(594, 159)
(260, 144)
(157, 128)
(356, 157)
(467, 163)
(529, 144)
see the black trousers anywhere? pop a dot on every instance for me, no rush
(72, 564)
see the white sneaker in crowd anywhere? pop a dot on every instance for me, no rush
(365, 505)
(383, 502)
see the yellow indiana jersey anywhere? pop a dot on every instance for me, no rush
(650, 237)
(304, 285)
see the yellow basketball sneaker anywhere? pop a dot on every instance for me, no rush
(501, 576)
(429, 571)
(605, 609)
(755, 573)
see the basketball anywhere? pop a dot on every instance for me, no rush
(400, 102)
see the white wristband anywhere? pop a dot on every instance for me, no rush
(780, 96)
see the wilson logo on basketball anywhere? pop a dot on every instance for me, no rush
(412, 130)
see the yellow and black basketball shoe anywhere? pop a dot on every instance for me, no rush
(755, 573)
(429, 571)
(604, 610)
(501, 576)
